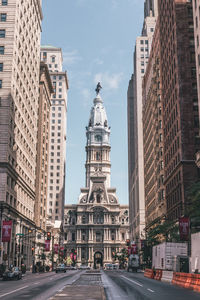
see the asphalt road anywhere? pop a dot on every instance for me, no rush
(36, 286)
(121, 285)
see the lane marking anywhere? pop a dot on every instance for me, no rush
(135, 282)
(36, 282)
(151, 290)
(14, 291)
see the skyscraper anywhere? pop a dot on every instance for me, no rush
(179, 98)
(20, 27)
(46, 89)
(52, 56)
(135, 126)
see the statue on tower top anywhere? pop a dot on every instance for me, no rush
(98, 88)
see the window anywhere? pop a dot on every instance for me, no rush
(49, 65)
(4, 2)
(60, 77)
(73, 236)
(59, 115)
(122, 236)
(98, 237)
(60, 90)
(57, 203)
(2, 33)
(141, 42)
(1, 50)
(152, 30)
(60, 96)
(60, 83)
(3, 17)
(0, 84)
(53, 59)
(1, 67)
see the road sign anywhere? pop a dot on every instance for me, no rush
(20, 234)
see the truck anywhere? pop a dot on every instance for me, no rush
(133, 263)
(195, 253)
(170, 256)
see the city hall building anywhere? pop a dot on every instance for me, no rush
(98, 225)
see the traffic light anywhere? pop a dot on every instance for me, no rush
(30, 231)
(48, 236)
(127, 242)
(32, 250)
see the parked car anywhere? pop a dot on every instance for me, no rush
(83, 267)
(12, 273)
(60, 268)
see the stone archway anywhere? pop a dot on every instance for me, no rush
(98, 260)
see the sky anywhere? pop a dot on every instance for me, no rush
(97, 38)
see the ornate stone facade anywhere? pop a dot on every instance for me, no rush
(98, 225)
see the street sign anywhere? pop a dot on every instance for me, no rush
(20, 234)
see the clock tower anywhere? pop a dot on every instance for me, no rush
(98, 143)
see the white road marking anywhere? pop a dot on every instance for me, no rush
(135, 282)
(36, 282)
(151, 290)
(14, 291)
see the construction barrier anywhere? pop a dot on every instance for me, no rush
(158, 275)
(149, 273)
(187, 280)
(167, 276)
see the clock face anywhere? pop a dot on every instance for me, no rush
(98, 138)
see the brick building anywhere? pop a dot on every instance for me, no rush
(179, 97)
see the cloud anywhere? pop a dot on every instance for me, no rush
(71, 57)
(108, 81)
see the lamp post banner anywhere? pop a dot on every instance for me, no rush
(184, 228)
(47, 245)
(56, 248)
(6, 231)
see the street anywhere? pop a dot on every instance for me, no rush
(117, 284)
(37, 286)
(134, 286)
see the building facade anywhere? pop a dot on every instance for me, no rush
(196, 25)
(135, 125)
(52, 56)
(98, 225)
(155, 202)
(179, 101)
(45, 89)
(20, 28)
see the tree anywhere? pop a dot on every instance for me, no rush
(193, 206)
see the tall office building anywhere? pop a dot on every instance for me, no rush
(135, 126)
(52, 56)
(155, 202)
(179, 101)
(46, 89)
(20, 27)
